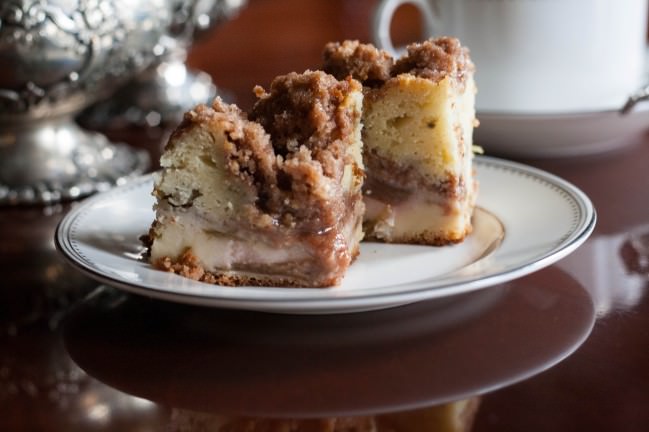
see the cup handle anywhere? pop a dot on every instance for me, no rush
(383, 18)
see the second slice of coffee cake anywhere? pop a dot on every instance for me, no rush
(418, 119)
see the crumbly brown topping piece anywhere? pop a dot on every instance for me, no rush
(310, 131)
(250, 151)
(433, 59)
(303, 113)
(363, 62)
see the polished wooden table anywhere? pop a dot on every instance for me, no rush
(564, 349)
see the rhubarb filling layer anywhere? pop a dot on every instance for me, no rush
(190, 245)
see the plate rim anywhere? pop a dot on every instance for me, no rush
(350, 301)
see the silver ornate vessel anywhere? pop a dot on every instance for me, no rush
(165, 90)
(57, 57)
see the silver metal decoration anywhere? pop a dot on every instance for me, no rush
(56, 58)
(163, 92)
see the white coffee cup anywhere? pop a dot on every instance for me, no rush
(540, 56)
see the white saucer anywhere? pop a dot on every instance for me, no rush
(527, 219)
(560, 134)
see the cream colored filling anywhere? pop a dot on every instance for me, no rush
(217, 251)
(415, 216)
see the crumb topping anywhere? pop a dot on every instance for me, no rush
(433, 59)
(310, 128)
(436, 59)
(305, 110)
(363, 62)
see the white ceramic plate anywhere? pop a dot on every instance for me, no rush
(561, 134)
(527, 219)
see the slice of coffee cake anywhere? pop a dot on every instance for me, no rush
(273, 199)
(418, 119)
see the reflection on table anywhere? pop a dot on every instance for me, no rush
(250, 365)
(455, 416)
